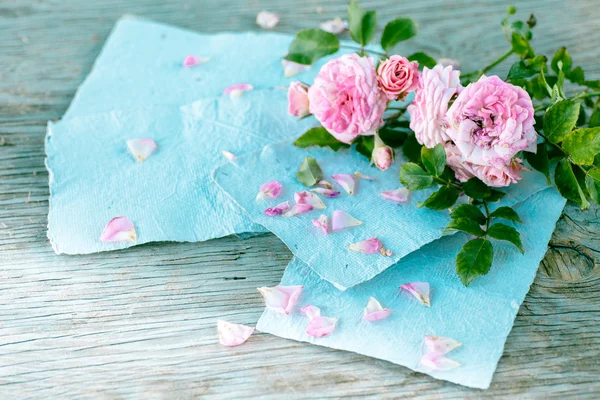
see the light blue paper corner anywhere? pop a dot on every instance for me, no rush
(480, 316)
(402, 228)
(170, 196)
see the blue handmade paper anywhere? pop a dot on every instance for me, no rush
(480, 316)
(402, 228)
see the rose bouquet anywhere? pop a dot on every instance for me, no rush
(466, 134)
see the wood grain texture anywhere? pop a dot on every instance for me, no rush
(141, 323)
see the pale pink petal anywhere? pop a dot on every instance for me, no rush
(397, 196)
(192, 60)
(346, 181)
(335, 26)
(369, 246)
(330, 193)
(291, 68)
(311, 311)
(267, 20)
(281, 298)
(119, 229)
(341, 220)
(325, 184)
(322, 223)
(238, 89)
(440, 345)
(437, 362)
(374, 312)
(278, 209)
(298, 209)
(233, 334)
(141, 148)
(360, 175)
(310, 199)
(228, 155)
(269, 190)
(321, 326)
(420, 290)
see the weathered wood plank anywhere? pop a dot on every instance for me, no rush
(141, 322)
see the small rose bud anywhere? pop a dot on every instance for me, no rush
(298, 100)
(382, 155)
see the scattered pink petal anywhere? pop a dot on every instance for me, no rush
(330, 193)
(228, 155)
(325, 184)
(192, 60)
(420, 290)
(291, 68)
(369, 246)
(321, 326)
(281, 298)
(440, 345)
(360, 175)
(388, 253)
(278, 209)
(397, 196)
(322, 223)
(141, 148)
(238, 89)
(437, 362)
(269, 190)
(374, 312)
(267, 20)
(298, 209)
(119, 229)
(341, 220)
(309, 198)
(335, 26)
(233, 334)
(311, 311)
(346, 181)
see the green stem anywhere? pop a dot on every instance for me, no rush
(343, 46)
(487, 218)
(490, 66)
(584, 95)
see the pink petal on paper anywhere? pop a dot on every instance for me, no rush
(278, 209)
(440, 345)
(192, 60)
(321, 326)
(228, 155)
(346, 181)
(335, 26)
(119, 229)
(238, 89)
(269, 190)
(281, 298)
(437, 362)
(310, 199)
(325, 184)
(233, 334)
(141, 148)
(322, 222)
(397, 196)
(291, 68)
(374, 312)
(360, 175)
(330, 193)
(298, 209)
(267, 20)
(368, 246)
(341, 220)
(311, 311)
(420, 290)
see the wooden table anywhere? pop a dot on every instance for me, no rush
(141, 323)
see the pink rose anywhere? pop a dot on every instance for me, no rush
(397, 77)
(382, 155)
(428, 109)
(490, 121)
(462, 171)
(497, 176)
(298, 100)
(346, 99)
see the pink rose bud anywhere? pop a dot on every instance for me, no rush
(298, 100)
(382, 155)
(397, 77)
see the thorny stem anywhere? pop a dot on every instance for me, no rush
(343, 46)
(488, 67)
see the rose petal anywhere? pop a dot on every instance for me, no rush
(278, 209)
(291, 68)
(360, 175)
(374, 312)
(269, 190)
(298, 209)
(325, 184)
(440, 345)
(119, 229)
(310, 199)
(346, 181)
(330, 193)
(238, 89)
(311, 311)
(233, 334)
(368, 246)
(341, 220)
(438, 362)
(192, 60)
(420, 290)
(397, 196)
(281, 298)
(335, 26)
(141, 148)
(321, 326)
(228, 155)
(267, 20)
(322, 223)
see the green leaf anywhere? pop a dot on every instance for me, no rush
(563, 56)
(310, 172)
(567, 184)
(468, 211)
(392, 137)
(423, 59)
(592, 182)
(582, 145)
(504, 232)
(539, 160)
(522, 29)
(319, 137)
(474, 259)
(520, 45)
(361, 23)
(397, 31)
(434, 160)
(532, 21)
(576, 75)
(312, 44)
(465, 225)
(519, 70)
(412, 149)
(365, 146)
(495, 195)
(506, 213)
(444, 198)
(594, 119)
(414, 177)
(476, 189)
(560, 119)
